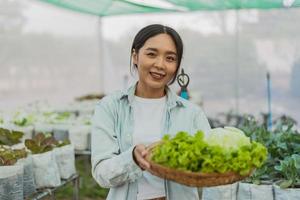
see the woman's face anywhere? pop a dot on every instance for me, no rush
(157, 62)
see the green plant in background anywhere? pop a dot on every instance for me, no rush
(289, 168)
(87, 122)
(21, 122)
(63, 116)
(10, 156)
(9, 138)
(41, 143)
(286, 154)
(283, 143)
(21, 119)
(229, 118)
(63, 143)
(258, 132)
(56, 117)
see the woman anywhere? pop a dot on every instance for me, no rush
(125, 122)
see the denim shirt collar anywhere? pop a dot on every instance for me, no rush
(172, 99)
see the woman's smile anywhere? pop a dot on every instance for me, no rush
(157, 76)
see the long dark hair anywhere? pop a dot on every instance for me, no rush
(152, 30)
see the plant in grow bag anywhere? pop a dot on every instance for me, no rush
(40, 143)
(9, 156)
(63, 143)
(9, 138)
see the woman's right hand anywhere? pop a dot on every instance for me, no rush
(139, 154)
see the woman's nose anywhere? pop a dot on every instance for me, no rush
(159, 62)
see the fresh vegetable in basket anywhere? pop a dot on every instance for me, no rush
(224, 150)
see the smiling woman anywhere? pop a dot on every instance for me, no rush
(126, 122)
(156, 63)
(156, 53)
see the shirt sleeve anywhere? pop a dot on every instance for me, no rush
(110, 166)
(201, 121)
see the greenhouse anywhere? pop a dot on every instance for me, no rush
(226, 128)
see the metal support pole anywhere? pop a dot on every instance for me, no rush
(76, 188)
(269, 101)
(237, 54)
(101, 55)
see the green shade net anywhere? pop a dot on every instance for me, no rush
(194, 5)
(117, 7)
(105, 7)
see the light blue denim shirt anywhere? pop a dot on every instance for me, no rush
(112, 127)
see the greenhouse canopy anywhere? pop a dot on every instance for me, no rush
(118, 7)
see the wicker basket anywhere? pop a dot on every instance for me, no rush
(193, 179)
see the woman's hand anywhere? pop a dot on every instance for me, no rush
(139, 154)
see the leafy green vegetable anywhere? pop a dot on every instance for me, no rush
(289, 168)
(196, 154)
(63, 115)
(22, 119)
(20, 122)
(227, 138)
(40, 143)
(9, 156)
(56, 117)
(9, 138)
(63, 143)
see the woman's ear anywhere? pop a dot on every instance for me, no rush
(134, 57)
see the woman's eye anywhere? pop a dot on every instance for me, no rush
(151, 54)
(171, 59)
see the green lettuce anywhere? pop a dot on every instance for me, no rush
(224, 150)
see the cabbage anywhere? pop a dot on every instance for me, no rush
(229, 138)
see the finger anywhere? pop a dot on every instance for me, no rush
(145, 164)
(140, 153)
(141, 148)
(144, 152)
(141, 161)
(144, 167)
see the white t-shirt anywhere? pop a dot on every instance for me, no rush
(149, 117)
